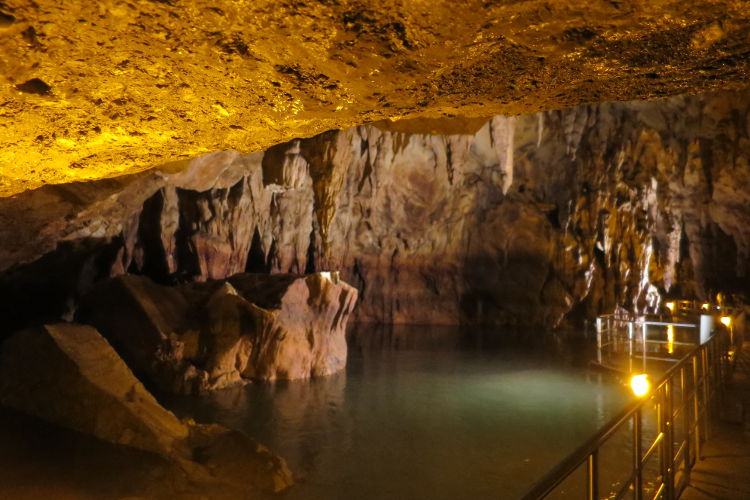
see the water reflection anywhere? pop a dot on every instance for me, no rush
(424, 411)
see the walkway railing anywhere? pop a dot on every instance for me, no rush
(616, 331)
(683, 398)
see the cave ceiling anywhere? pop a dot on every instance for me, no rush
(100, 89)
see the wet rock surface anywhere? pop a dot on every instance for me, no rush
(206, 336)
(96, 90)
(539, 218)
(69, 375)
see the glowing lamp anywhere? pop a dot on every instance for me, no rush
(332, 276)
(670, 306)
(726, 320)
(640, 385)
(705, 307)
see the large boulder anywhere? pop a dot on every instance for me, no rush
(69, 375)
(146, 324)
(205, 336)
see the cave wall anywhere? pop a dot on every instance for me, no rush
(534, 219)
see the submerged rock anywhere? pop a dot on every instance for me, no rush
(206, 336)
(69, 375)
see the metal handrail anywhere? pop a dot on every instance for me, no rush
(695, 405)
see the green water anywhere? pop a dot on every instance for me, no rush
(424, 413)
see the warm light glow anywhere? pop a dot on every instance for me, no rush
(705, 306)
(326, 275)
(640, 385)
(726, 320)
(670, 306)
(670, 339)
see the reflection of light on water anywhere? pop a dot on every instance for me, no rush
(467, 424)
(527, 397)
(670, 339)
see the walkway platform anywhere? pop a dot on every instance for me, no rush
(724, 471)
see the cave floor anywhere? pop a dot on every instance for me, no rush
(724, 470)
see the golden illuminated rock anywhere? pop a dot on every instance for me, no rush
(98, 89)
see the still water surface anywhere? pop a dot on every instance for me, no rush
(424, 413)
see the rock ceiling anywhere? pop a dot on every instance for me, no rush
(99, 89)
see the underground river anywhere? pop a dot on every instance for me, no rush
(425, 412)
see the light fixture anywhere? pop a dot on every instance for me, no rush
(726, 320)
(640, 384)
(332, 276)
(705, 306)
(670, 306)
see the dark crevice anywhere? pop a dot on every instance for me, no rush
(187, 257)
(150, 240)
(310, 264)
(256, 258)
(49, 288)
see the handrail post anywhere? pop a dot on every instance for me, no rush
(637, 454)
(696, 408)
(631, 335)
(592, 474)
(707, 386)
(643, 344)
(659, 400)
(706, 380)
(685, 404)
(669, 440)
(599, 340)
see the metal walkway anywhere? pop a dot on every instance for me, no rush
(669, 425)
(723, 470)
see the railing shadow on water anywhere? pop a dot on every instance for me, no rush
(648, 449)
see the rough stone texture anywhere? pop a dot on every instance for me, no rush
(99, 89)
(207, 336)
(591, 207)
(69, 375)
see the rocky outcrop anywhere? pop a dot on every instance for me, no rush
(206, 336)
(540, 218)
(69, 375)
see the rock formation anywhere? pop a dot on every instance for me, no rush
(69, 375)
(207, 336)
(95, 90)
(120, 206)
(533, 219)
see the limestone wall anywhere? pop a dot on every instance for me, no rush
(531, 219)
